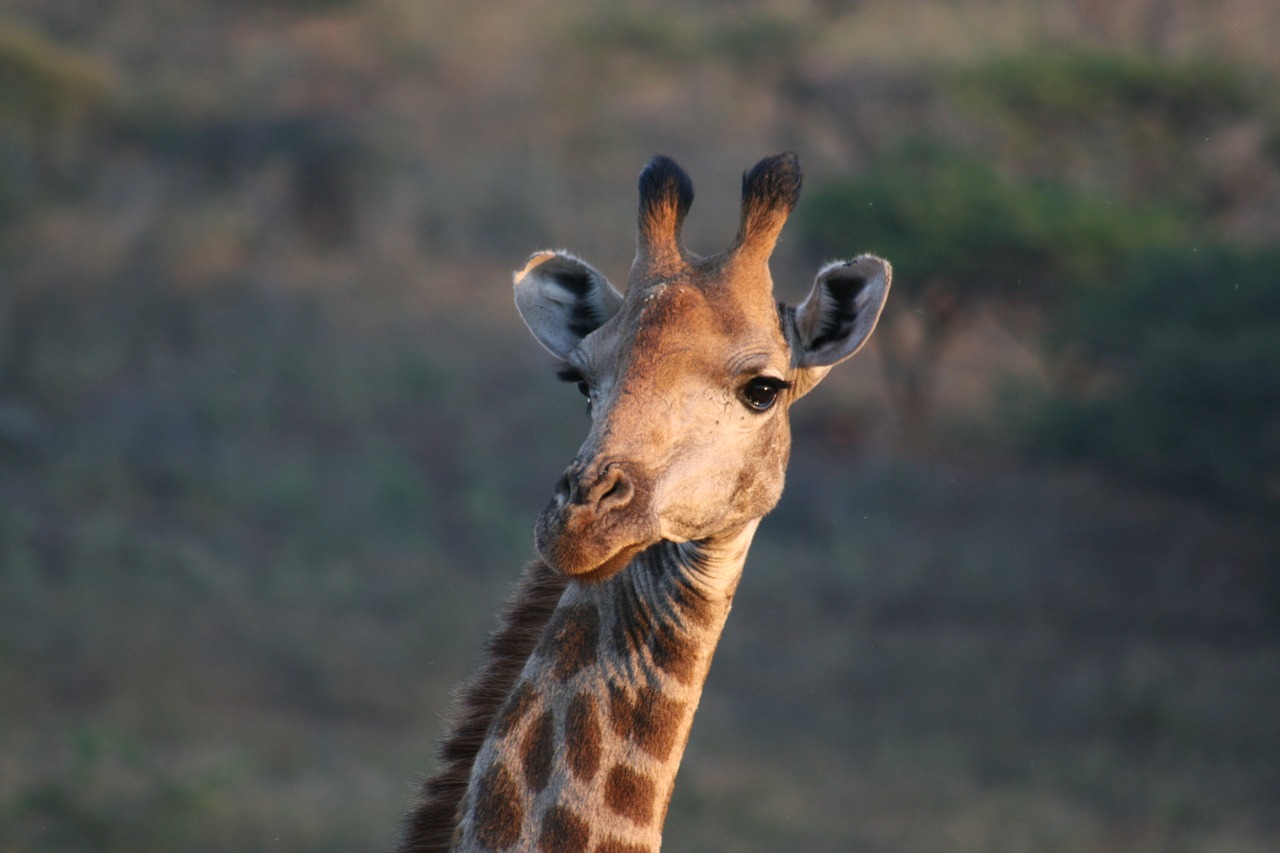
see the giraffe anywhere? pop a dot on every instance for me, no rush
(570, 736)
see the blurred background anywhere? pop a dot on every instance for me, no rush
(272, 437)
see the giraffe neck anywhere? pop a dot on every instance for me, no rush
(584, 751)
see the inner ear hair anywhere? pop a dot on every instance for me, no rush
(839, 315)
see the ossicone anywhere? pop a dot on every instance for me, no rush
(770, 191)
(666, 194)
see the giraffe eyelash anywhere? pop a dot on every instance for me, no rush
(569, 373)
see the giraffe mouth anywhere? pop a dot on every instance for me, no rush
(589, 550)
(611, 566)
(586, 559)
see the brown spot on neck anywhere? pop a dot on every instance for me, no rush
(498, 811)
(539, 751)
(675, 652)
(657, 611)
(583, 736)
(571, 640)
(692, 606)
(629, 794)
(563, 832)
(647, 717)
(518, 705)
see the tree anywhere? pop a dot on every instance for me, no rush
(960, 236)
(1145, 129)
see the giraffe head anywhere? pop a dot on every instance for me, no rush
(690, 375)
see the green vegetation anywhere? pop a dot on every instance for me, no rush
(43, 83)
(1133, 125)
(1178, 383)
(965, 237)
(1067, 91)
(272, 439)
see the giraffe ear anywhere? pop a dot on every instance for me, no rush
(838, 315)
(562, 300)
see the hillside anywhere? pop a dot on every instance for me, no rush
(272, 437)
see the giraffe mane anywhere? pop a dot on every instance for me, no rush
(430, 826)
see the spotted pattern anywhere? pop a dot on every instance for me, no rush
(583, 736)
(658, 722)
(498, 811)
(539, 751)
(571, 640)
(692, 606)
(632, 622)
(675, 653)
(635, 626)
(629, 795)
(563, 832)
(643, 716)
(522, 699)
(647, 717)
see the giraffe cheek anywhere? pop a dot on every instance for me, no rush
(713, 502)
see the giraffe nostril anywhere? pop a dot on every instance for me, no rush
(613, 490)
(562, 491)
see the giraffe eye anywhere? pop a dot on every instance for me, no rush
(762, 392)
(585, 390)
(569, 373)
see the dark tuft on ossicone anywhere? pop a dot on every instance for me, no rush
(664, 185)
(773, 184)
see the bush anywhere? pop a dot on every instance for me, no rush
(1064, 89)
(1181, 383)
(962, 235)
(1132, 124)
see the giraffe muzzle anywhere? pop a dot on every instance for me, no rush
(597, 520)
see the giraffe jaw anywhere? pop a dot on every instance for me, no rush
(611, 566)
